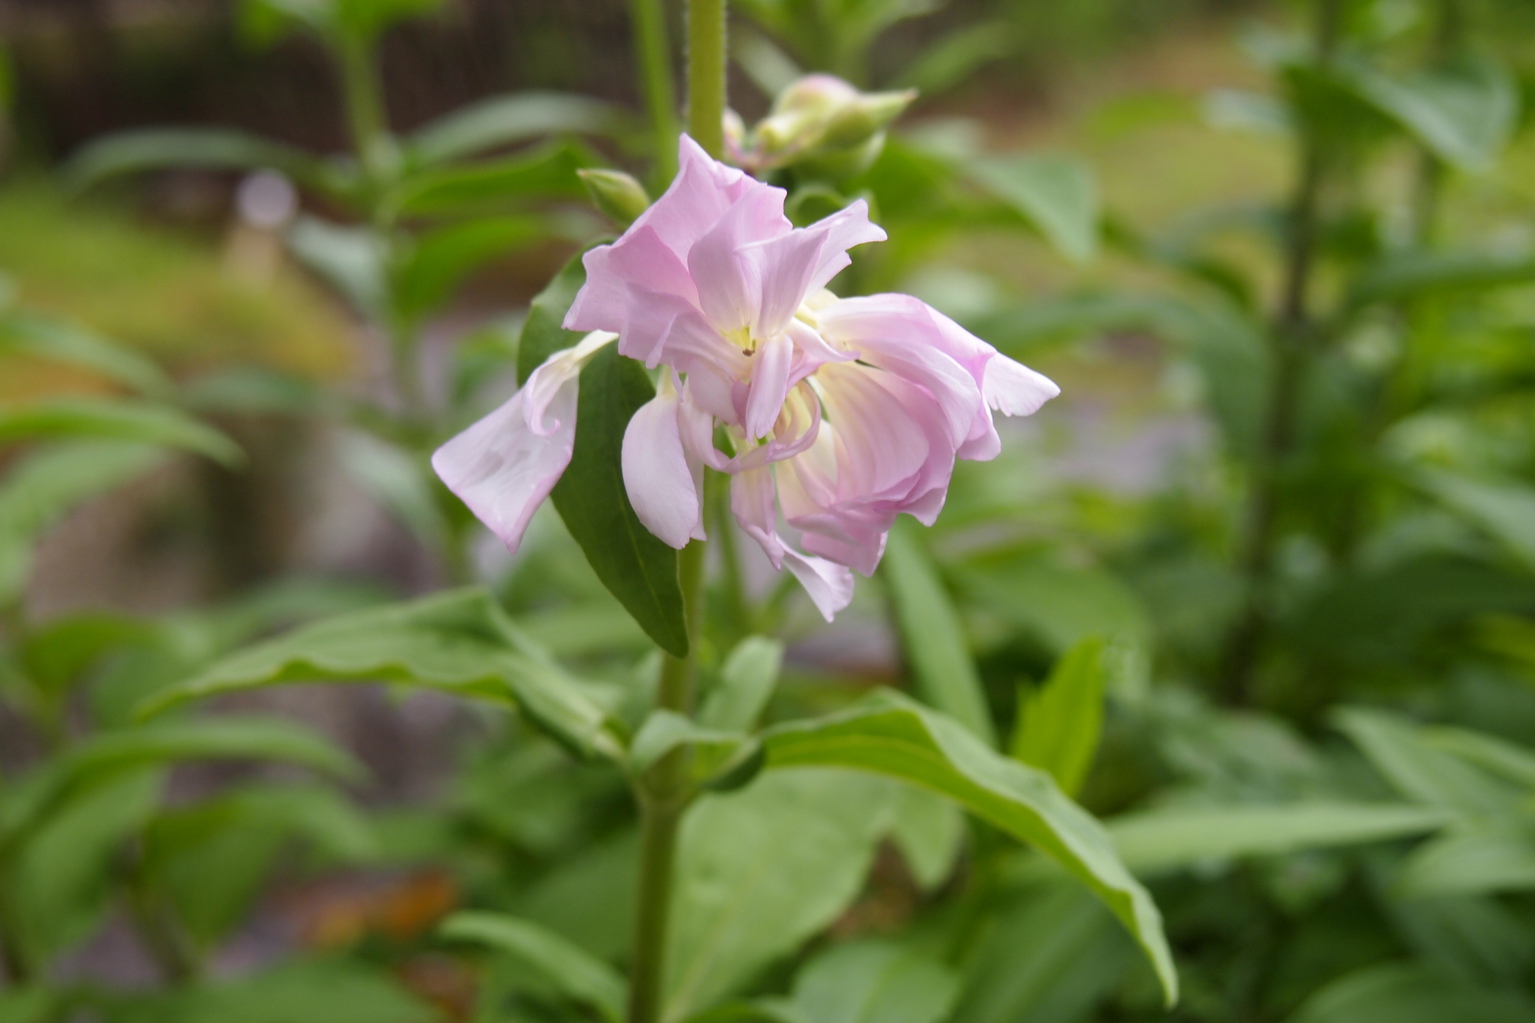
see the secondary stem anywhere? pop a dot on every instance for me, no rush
(706, 74)
(663, 795)
(653, 51)
(1293, 345)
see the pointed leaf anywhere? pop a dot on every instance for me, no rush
(1059, 723)
(45, 338)
(117, 419)
(1464, 114)
(1057, 194)
(1398, 750)
(459, 642)
(1408, 993)
(891, 734)
(875, 982)
(1477, 859)
(544, 174)
(745, 686)
(503, 120)
(715, 754)
(132, 152)
(570, 969)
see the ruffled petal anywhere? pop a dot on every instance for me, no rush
(665, 486)
(841, 231)
(1014, 389)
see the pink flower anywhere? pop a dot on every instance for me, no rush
(839, 414)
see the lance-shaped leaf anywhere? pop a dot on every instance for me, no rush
(117, 419)
(893, 735)
(459, 642)
(548, 172)
(572, 971)
(1057, 194)
(745, 685)
(109, 755)
(1059, 723)
(719, 759)
(503, 120)
(46, 338)
(632, 563)
(133, 152)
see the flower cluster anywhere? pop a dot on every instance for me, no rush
(835, 414)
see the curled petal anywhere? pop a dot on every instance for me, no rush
(841, 231)
(665, 485)
(1014, 389)
(829, 585)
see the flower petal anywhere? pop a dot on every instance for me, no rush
(829, 585)
(1014, 389)
(664, 484)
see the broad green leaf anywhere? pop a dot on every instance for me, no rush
(1503, 508)
(210, 860)
(1156, 841)
(890, 734)
(132, 152)
(1464, 114)
(1404, 993)
(539, 176)
(875, 981)
(569, 969)
(98, 760)
(1419, 771)
(762, 870)
(716, 756)
(933, 635)
(745, 685)
(633, 564)
(504, 120)
(349, 259)
(1423, 272)
(1475, 859)
(46, 484)
(929, 831)
(1057, 194)
(46, 338)
(441, 259)
(1048, 958)
(336, 991)
(1503, 758)
(55, 654)
(460, 642)
(116, 419)
(1059, 723)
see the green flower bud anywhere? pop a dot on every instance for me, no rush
(615, 194)
(824, 120)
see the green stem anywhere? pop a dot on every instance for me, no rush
(1293, 347)
(18, 971)
(706, 74)
(366, 118)
(653, 52)
(664, 796)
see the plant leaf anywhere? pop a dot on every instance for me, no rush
(875, 982)
(715, 754)
(1475, 859)
(933, 635)
(745, 686)
(543, 174)
(1505, 510)
(891, 734)
(132, 152)
(1057, 194)
(1059, 723)
(1419, 771)
(1405, 993)
(570, 969)
(502, 120)
(119, 419)
(46, 338)
(460, 642)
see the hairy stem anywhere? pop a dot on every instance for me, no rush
(653, 52)
(663, 796)
(1293, 343)
(706, 74)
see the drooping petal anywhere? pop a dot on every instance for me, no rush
(753, 504)
(1014, 389)
(829, 585)
(665, 486)
(503, 470)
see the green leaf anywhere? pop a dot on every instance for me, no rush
(930, 832)
(1505, 759)
(349, 259)
(632, 563)
(762, 870)
(336, 21)
(1417, 770)
(504, 120)
(132, 152)
(716, 755)
(96, 761)
(1156, 841)
(875, 982)
(569, 969)
(1504, 509)
(1059, 723)
(1048, 958)
(1402, 993)
(116, 419)
(46, 338)
(460, 642)
(893, 735)
(337, 991)
(745, 685)
(46, 484)
(933, 635)
(1057, 194)
(441, 259)
(544, 174)
(1425, 272)
(1475, 859)
(1464, 114)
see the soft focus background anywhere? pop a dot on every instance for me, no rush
(1274, 544)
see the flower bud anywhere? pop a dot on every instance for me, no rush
(615, 194)
(821, 117)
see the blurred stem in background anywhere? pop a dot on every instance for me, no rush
(1294, 342)
(653, 55)
(664, 791)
